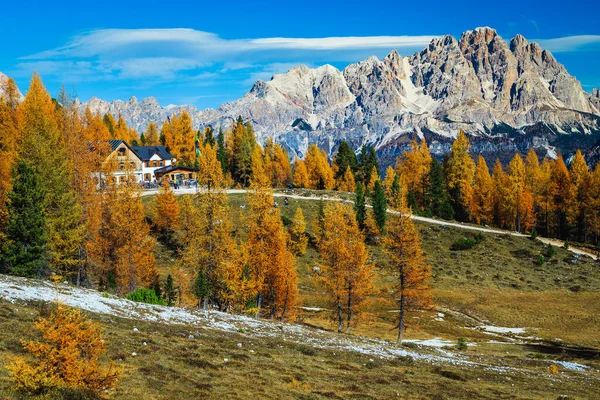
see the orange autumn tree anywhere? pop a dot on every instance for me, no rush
(151, 135)
(562, 194)
(581, 178)
(179, 138)
(43, 146)
(346, 274)
(300, 174)
(413, 169)
(210, 252)
(9, 141)
(320, 174)
(459, 169)
(481, 206)
(277, 164)
(408, 265)
(298, 236)
(521, 201)
(166, 209)
(68, 357)
(120, 248)
(346, 183)
(270, 263)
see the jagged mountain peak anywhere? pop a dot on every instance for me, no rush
(508, 96)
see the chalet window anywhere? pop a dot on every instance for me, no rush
(160, 163)
(121, 165)
(147, 163)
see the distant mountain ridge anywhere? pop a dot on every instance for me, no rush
(507, 96)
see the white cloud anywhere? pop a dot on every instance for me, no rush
(570, 43)
(171, 54)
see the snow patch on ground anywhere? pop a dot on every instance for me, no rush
(500, 329)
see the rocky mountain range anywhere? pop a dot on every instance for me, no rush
(507, 96)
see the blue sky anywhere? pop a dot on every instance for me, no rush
(207, 53)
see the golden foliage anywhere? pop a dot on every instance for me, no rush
(413, 167)
(346, 274)
(346, 183)
(481, 206)
(298, 236)
(409, 267)
(179, 137)
(300, 174)
(271, 265)
(166, 208)
(68, 357)
(320, 174)
(459, 171)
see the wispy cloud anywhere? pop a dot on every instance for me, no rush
(175, 54)
(571, 43)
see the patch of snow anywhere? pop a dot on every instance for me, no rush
(573, 366)
(500, 329)
(314, 309)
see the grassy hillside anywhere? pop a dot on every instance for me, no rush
(498, 282)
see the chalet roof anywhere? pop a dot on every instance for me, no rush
(115, 143)
(171, 168)
(145, 153)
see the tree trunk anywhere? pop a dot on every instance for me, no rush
(339, 315)
(401, 319)
(349, 309)
(205, 303)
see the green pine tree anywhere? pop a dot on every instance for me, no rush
(360, 209)
(25, 250)
(436, 199)
(201, 288)
(379, 206)
(209, 137)
(222, 151)
(345, 158)
(170, 293)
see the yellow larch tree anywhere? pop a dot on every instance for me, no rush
(563, 195)
(151, 135)
(9, 141)
(520, 203)
(266, 249)
(346, 183)
(210, 252)
(459, 170)
(67, 357)
(481, 207)
(320, 174)
(298, 236)
(503, 196)
(346, 273)
(179, 137)
(407, 263)
(300, 174)
(278, 164)
(581, 178)
(166, 209)
(413, 167)
(43, 147)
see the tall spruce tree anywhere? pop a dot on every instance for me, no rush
(379, 203)
(25, 250)
(344, 158)
(222, 151)
(360, 209)
(437, 197)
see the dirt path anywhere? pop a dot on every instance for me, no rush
(554, 242)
